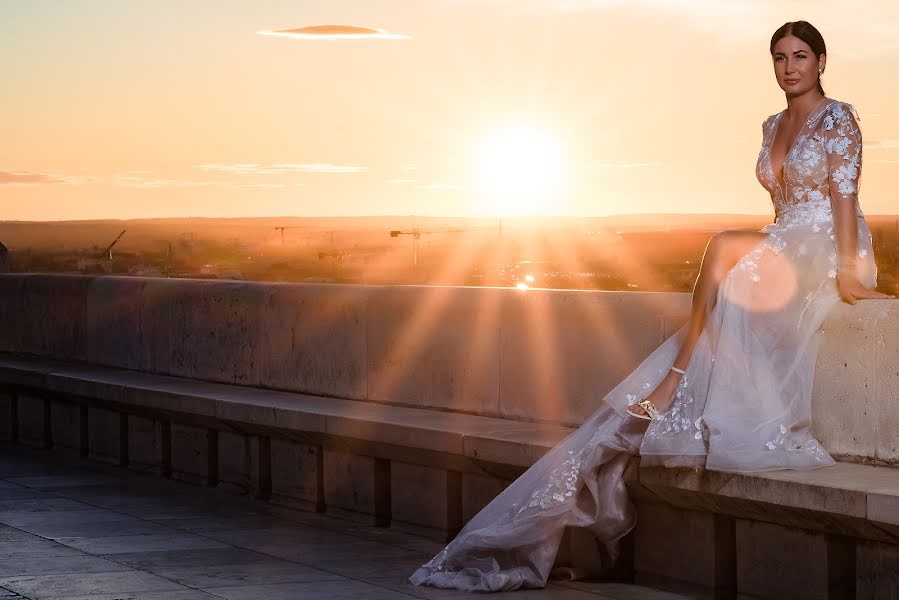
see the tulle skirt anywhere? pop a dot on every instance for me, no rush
(743, 405)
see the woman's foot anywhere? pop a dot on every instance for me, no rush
(662, 397)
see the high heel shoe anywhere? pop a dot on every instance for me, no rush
(651, 411)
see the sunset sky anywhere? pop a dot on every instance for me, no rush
(114, 109)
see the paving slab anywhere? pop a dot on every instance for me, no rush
(33, 546)
(213, 524)
(47, 586)
(170, 595)
(319, 590)
(20, 518)
(299, 537)
(168, 559)
(40, 503)
(124, 526)
(276, 571)
(54, 565)
(46, 482)
(123, 544)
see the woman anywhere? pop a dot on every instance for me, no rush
(732, 389)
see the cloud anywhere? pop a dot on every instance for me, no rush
(335, 32)
(872, 22)
(158, 182)
(883, 145)
(441, 186)
(399, 181)
(278, 168)
(22, 177)
(628, 165)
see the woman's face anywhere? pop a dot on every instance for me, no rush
(795, 66)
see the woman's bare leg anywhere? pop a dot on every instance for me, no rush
(723, 251)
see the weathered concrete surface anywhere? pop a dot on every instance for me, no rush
(563, 350)
(775, 561)
(426, 500)
(685, 545)
(65, 422)
(104, 434)
(297, 478)
(355, 487)
(6, 416)
(535, 355)
(434, 347)
(877, 571)
(144, 444)
(31, 412)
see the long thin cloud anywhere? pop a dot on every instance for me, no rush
(277, 168)
(335, 32)
(26, 177)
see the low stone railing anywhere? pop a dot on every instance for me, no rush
(535, 355)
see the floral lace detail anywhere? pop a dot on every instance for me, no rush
(676, 420)
(823, 162)
(562, 483)
(784, 441)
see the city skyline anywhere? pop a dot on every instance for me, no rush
(433, 108)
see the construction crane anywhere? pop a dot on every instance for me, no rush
(416, 234)
(108, 251)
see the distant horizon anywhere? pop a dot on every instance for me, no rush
(424, 217)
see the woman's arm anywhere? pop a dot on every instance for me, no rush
(843, 143)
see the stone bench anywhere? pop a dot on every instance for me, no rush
(828, 533)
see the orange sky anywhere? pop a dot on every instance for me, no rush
(134, 109)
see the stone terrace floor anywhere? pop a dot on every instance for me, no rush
(75, 529)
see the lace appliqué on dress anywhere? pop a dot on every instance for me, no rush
(784, 441)
(675, 421)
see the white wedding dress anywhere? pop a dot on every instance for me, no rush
(744, 403)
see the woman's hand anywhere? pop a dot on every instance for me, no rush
(852, 290)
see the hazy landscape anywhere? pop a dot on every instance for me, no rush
(627, 252)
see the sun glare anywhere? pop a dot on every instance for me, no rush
(521, 171)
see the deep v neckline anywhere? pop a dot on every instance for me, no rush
(781, 182)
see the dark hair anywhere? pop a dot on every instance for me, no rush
(806, 32)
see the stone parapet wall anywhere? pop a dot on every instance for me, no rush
(532, 355)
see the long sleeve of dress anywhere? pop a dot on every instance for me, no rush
(843, 144)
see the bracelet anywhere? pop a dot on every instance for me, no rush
(676, 370)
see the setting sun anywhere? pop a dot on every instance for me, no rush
(521, 170)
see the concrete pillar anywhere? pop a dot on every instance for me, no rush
(774, 561)
(298, 475)
(234, 461)
(877, 571)
(144, 444)
(31, 416)
(675, 544)
(425, 500)
(357, 487)
(189, 453)
(104, 435)
(261, 455)
(582, 554)
(478, 491)
(7, 416)
(65, 424)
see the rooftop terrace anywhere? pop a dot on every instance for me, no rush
(77, 529)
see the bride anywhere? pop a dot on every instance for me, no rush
(732, 389)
